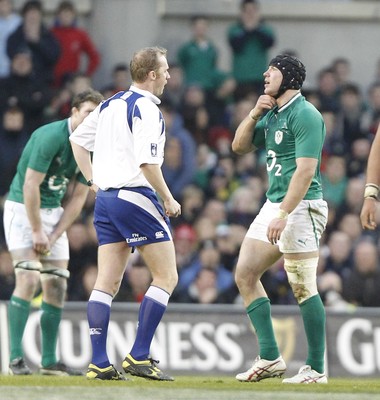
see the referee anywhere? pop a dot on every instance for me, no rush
(126, 134)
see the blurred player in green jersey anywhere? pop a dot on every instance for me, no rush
(35, 229)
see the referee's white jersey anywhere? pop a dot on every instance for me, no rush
(124, 132)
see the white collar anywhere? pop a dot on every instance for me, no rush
(286, 105)
(146, 93)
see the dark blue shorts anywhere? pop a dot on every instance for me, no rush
(133, 215)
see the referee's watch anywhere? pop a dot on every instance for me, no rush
(90, 182)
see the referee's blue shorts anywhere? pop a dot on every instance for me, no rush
(133, 215)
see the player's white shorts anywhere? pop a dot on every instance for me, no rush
(303, 230)
(18, 232)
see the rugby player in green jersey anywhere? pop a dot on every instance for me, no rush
(291, 221)
(35, 230)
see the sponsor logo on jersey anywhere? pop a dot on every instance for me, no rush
(95, 331)
(278, 135)
(153, 149)
(159, 234)
(136, 238)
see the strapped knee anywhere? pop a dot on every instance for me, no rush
(32, 265)
(50, 271)
(302, 277)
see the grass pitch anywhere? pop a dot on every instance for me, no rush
(183, 388)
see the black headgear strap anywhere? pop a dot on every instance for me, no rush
(293, 72)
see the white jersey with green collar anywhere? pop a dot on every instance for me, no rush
(292, 131)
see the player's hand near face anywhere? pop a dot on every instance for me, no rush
(368, 214)
(264, 103)
(242, 142)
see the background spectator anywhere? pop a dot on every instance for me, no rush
(199, 61)
(342, 69)
(186, 245)
(349, 123)
(83, 251)
(198, 57)
(60, 105)
(175, 88)
(339, 259)
(180, 154)
(203, 290)
(192, 201)
(361, 286)
(34, 35)
(334, 180)
(195, 114)
(250, 39)
(136, 281)
(208, 257)
(77, 48)
(9, 21)
(372, 114)
(327, 90)
(13, 137)
(23, 89)
(7, 275)
(121, 80)
(86, 281)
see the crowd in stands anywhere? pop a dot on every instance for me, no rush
(220, 192)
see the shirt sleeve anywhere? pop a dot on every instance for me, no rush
(46, 147)
(309, 134)
(258, 139)
(148, 133)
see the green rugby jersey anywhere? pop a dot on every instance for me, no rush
(292, 131)
(48, 151)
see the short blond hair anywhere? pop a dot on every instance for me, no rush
(145, 61)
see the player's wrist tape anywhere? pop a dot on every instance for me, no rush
(282, 214)
(371, 191)
(254, 117)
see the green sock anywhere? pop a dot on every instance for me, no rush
(50, 320)
(259, 314)
(314, 319)
(18, 313)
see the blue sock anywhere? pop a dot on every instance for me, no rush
(98, 315)
(152, 309)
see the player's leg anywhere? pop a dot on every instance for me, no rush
(301, 261)
(112, 261)
(27, 266)
(254, 259)
(160, 259)
(54, 275)
(302, 276)
(26, 284)
(110, 217)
